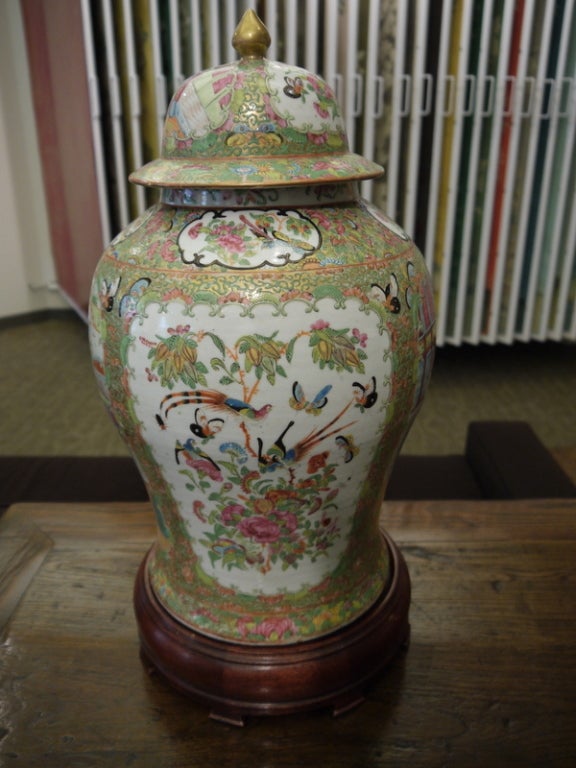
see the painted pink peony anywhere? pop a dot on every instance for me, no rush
(275, 628)
(231, 514)
(272, 629)
(287, 520)
(260, 529)
(205, 467)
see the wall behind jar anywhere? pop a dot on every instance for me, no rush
(27, 275)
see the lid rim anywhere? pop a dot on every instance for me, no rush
(182, 173)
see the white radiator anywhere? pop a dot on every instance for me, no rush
(470, 105)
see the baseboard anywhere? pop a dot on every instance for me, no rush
(36, 316)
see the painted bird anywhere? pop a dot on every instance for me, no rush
(211, 398)
(204, 427)
(190, 452)
(279, 455)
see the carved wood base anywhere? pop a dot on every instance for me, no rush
(235, 681)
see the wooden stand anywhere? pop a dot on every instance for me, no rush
(236, 681)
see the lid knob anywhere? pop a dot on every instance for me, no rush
(251, 39)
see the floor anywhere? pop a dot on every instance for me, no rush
(49, 404)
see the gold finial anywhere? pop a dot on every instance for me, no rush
(251, 38)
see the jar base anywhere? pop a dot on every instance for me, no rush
(237, 681)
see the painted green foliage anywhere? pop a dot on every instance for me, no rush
(175, 358)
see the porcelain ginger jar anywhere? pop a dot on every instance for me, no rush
(262, 338)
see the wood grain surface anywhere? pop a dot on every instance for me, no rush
(489, 678)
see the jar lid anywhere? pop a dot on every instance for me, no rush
(254, 123)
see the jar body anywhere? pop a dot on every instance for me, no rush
(264, 364)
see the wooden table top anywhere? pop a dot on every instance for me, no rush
(489, 678)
